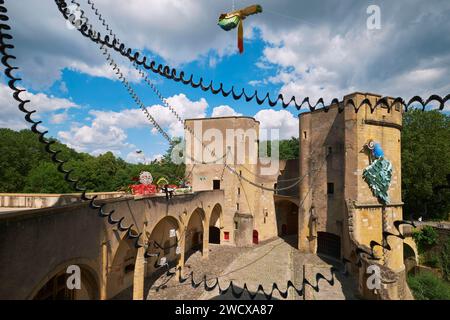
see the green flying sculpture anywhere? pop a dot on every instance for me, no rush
(231, 20)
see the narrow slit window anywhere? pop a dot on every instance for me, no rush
(330, 188)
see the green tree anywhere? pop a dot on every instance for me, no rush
(425, 238)
(21, 152)
(288, 149)
(45, 178)
(425, 163)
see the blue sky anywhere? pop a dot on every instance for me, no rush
(102, 94)
(320, 49)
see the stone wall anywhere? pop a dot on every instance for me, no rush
(241, 154)
(36, 201)
(289, 171)
(37, 244)
(321, 163)
(333, 145)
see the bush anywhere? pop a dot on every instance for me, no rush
(427, 286)
(432, 260)
(425, 238)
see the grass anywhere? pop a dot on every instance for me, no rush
(427, 286)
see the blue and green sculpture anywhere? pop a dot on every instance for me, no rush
(378, 174)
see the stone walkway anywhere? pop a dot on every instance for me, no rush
(265, 264)
(273, 261)
(168, 287)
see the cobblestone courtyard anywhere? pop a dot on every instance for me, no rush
(275, 260)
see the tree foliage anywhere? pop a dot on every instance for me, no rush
(425, 238)
(425, 163)
(27, 167)
(288, 149)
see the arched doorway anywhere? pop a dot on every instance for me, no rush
(194, 233)
(215, 224)
(56, 288)
(329, 245)
(255, 237)
(287, 218)
(287, 221)
(409, 257)
(163, 244)
(121, 270)
(214, 235)
(164, 252)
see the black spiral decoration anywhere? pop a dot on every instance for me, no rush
(172, 74)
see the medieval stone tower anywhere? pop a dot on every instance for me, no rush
(248, 211)
(338, 212)
(335, 211)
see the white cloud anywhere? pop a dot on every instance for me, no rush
(186, 108)
(329, 59)
(256, 83)
(312, 51)
(44, 103)
(59, 118)
(106, 71)
(95, 139)
(179, 32)
(282, 120)
(135, 118)
(224, 111)
(125, 119)
(134, 157)
(63, 87)
(11, 117)
(107, 129)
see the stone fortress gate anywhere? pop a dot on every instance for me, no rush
(321, 199)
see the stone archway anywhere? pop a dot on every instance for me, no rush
(164, 249)
(194, 233)
(410, 258)
(286, 213)
(215, 225)
(287, 217)
(163, 243)
(121, 270)
(56, 287)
